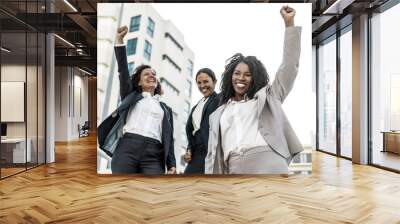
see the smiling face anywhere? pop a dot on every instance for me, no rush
(241, 80)
(148, 80)
(205, 84)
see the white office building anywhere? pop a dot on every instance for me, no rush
(150, 40)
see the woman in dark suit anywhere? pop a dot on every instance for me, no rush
(139, 134)
(197, 126)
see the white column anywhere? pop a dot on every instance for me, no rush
(50, 99)
(360, 90)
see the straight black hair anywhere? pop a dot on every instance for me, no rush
(207, 71)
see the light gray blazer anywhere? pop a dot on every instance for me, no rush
(273, 124)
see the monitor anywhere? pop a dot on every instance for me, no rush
(3, 129)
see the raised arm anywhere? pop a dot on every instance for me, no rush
(288, 69)
(125, 84)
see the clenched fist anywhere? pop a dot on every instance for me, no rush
(188, 156)
(288, 14)
(172, 170)
(121, 32)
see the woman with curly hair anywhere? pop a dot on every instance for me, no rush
(249, 132)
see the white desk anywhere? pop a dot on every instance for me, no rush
(18, 149)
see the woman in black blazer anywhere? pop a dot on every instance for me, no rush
(197, 126)
(146, 142)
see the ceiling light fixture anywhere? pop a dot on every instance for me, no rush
(84, 71)
(70, 5)
(5, 49)
(65, 41)
(338, 6)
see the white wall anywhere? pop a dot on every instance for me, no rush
(16, 73)
(33, 125)
(69, 85)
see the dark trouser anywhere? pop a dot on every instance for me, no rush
(196, 166)
(199, 153)
(138, 154)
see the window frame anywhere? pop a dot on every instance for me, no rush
(133, 27)
(150, 27)
(148, 47)
(128, 50)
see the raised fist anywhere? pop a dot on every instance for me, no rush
(121, 32)
(288, 14)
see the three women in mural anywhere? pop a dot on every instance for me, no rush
(241, 130)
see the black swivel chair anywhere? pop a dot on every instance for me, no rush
(84, 130)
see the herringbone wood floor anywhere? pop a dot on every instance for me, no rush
(70, 191)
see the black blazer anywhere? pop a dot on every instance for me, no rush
(110, 130)
(209, 108)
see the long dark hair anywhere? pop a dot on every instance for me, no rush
(135, 79)
(260, 77)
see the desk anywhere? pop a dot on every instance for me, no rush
(391, 141)
(13, 150)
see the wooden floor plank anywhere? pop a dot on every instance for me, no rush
(70, 191)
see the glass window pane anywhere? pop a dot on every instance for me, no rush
(131, 67)
(188, 89)
(150, 27)
(135, 24)
(327, 96)
(190, 67)
(385, 86)
(346, 94)
(131, 47)
(32, 99)
(14, 152)
(147, 50)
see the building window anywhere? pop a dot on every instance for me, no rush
(168, 87)
(135, 24)
(131, 66)
(131, 46)
(147, 50)
(150, 27)
(187, 107)
(171, 62)
(175, 119)
(168, 35)
(188, 89)
(190, 68)
(183, 135)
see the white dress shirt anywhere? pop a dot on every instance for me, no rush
(239, 127)
(197, 115)
(146, 117)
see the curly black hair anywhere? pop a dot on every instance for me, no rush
(135, 79)
(260, 77)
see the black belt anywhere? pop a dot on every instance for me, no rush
(143, 138)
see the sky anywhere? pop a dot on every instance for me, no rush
(215, 32)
